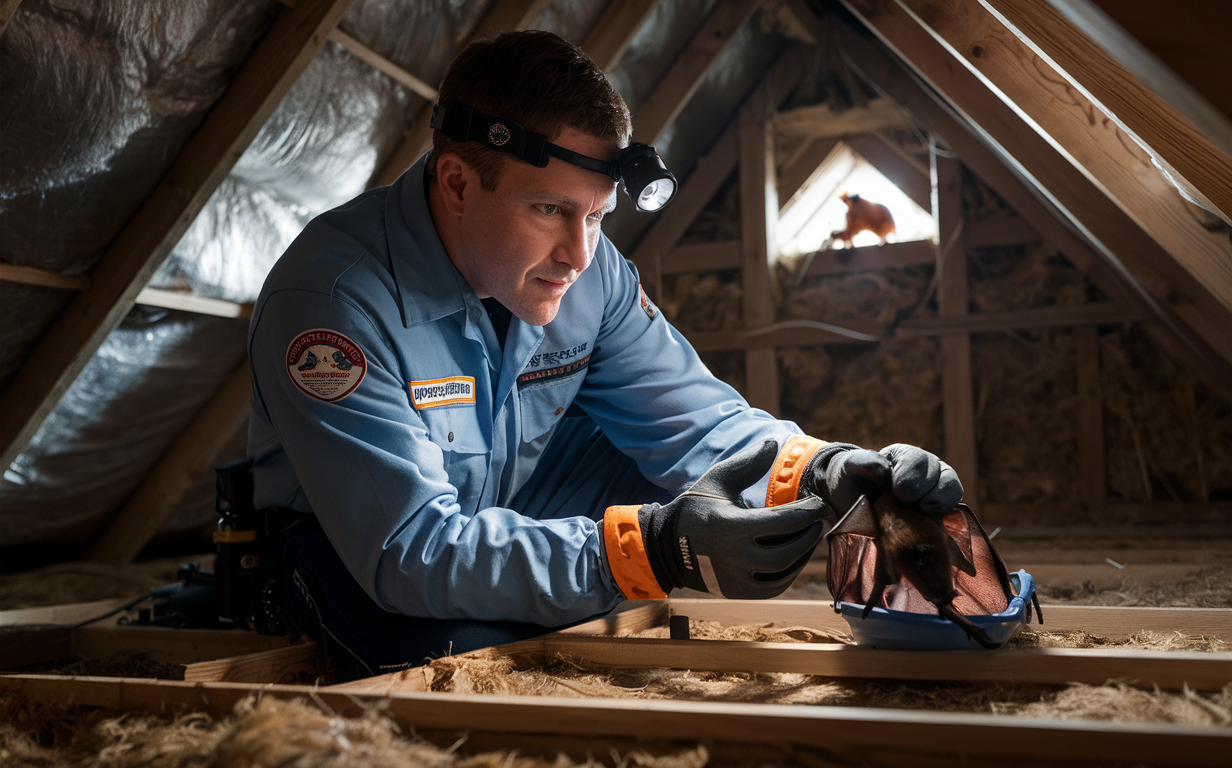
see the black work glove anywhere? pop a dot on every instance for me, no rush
(841, 473)
(707, 540)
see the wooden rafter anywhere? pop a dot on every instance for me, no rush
(193, 452)
(1193, 161)
(904, 174)
(45, 277)
(148, 237)
(796, 172)
(690, 68)
(382, 64)
(1020, 192)
(1097, 148)
(1118, 245)
(614, 30)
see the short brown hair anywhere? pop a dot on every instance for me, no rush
(534, 78)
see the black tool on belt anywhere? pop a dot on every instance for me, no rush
(247, 592)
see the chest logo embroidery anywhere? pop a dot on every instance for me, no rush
(325, 364)
(438, 393)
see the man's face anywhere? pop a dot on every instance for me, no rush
(525, 242)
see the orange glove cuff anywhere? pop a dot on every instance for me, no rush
(789, 467)
(626, 554)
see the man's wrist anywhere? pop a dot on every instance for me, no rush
(815, 475)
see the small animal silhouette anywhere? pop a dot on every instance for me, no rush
(310, 362)
(863, 216)
(341, 362)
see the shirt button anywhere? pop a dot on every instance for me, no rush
(451, 437)
(559, 411)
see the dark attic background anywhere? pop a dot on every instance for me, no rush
(997, 333)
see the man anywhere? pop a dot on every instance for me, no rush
(462, 380)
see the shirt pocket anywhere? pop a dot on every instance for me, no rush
(543, 404)
(464, 450)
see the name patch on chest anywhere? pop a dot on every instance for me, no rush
(325, 364)
(437, 393)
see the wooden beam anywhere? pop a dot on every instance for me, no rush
(1092, 479)
(187, 302)
(11, 273)
(905, 175)
(611, 35)
(957, 388)
(819, 121)
(1049, 666)
(67, 613)
(301, 663)
(759, 214)
(169, 646)
(7, 9)
(395, 72)
(795, 175)
(1083, 315)
(148, 237)
(686, 74)
(856, 735)
(711, 171)
(1101, 621)
(868, 258)
(1115, 241)
(1193, 162)
(503, 16)
(193, 452)
(793, 333)
(703, 257)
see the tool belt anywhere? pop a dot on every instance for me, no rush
(247, 543)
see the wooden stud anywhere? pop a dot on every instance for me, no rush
(193, 452)
(686, 74)
(1190, 158)
(503, 16)
(614, 31)
(796, 333)
(45, 277)
(859, 735)
(148, 237)
(958, 398)
(1127, 265)
(187, 302)
(1092, 482)
(382, 64)
(759, 213)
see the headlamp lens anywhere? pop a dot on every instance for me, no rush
(656, 194)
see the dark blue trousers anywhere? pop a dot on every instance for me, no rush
(581, 471)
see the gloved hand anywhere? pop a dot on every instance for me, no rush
(840, 473)
(707, 540)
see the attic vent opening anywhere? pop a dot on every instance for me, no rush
(812, 215)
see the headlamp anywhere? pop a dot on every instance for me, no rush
(647, 181)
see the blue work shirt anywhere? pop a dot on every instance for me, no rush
(382, 402)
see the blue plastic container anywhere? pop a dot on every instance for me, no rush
(900, 630)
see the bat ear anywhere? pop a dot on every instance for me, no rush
(959, 534)
(858, 521)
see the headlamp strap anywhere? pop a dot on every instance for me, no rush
(464, 123)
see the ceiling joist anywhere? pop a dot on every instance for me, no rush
(153, 231)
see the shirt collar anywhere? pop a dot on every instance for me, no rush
(429, 286)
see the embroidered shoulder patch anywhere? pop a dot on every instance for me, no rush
(436, 393)
(325, 364)
(647, 307)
